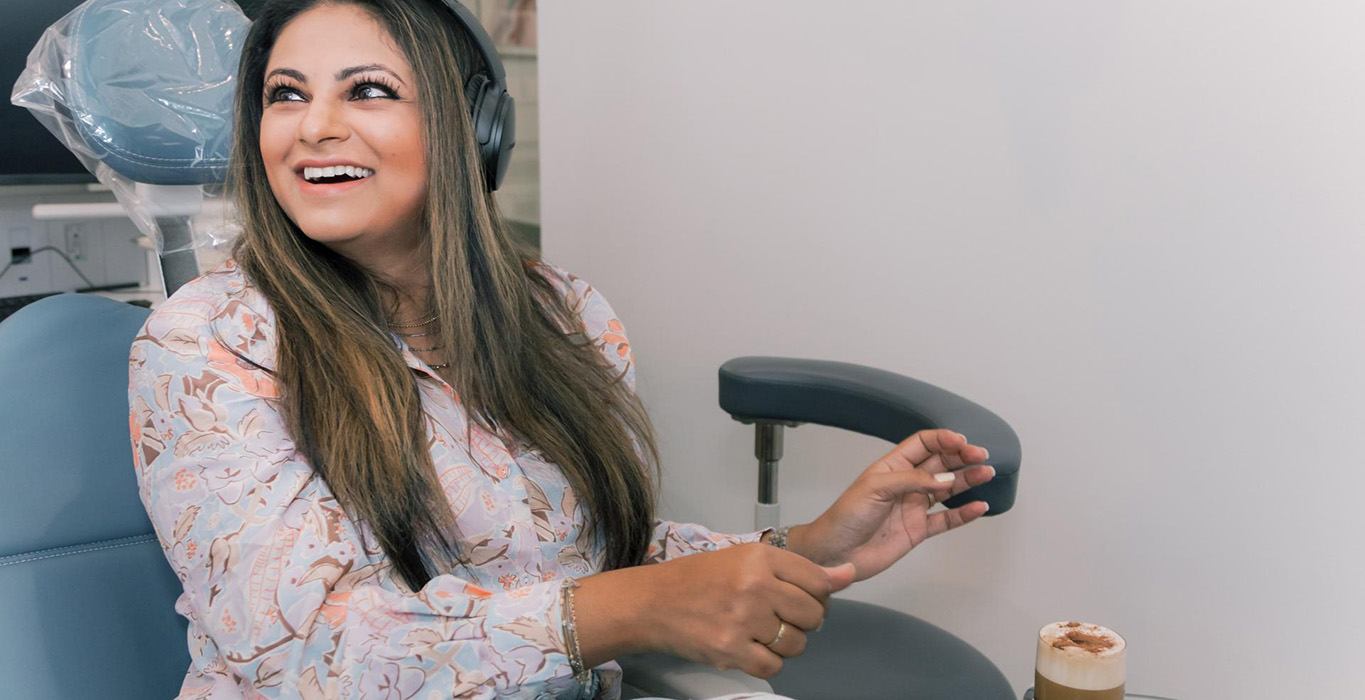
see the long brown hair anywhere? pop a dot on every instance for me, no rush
(351, 402)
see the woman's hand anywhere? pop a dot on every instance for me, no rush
(722, 608)
(885, 512)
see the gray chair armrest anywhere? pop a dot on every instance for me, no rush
(671, 677)
(872, 402)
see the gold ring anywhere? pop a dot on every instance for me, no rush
(781, 627)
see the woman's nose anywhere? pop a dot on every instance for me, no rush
(321, 122)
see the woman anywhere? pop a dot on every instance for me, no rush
(390, 454)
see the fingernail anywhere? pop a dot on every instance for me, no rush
(988, 507)
(992, 470)
(945, 477)
(988, 454)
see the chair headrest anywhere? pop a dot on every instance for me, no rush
(146, 85)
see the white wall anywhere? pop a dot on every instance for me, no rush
(1132, 229)
(105, 250)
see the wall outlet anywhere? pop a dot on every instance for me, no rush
(20, 255)
(76, 236)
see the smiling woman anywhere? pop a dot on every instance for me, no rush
(390, 453)
(377, 343)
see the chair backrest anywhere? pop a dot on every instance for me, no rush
(86, 595)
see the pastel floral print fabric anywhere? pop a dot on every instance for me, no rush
(288, 597)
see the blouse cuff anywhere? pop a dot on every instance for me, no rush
(672, 540)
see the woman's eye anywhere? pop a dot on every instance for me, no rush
(281, 94)
(371, 90)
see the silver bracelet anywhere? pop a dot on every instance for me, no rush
(779, 538)
(569, 627)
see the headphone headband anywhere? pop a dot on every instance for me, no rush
(492, 111)
(491, 61)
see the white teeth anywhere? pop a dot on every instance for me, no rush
(334, 170)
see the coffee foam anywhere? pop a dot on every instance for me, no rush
(1081, 656)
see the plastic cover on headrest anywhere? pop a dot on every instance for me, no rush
(141, 91)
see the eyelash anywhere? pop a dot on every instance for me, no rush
(272, 92)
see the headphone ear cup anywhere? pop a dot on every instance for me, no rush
(505, 137)
(493, 117)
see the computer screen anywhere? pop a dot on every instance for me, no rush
(29, 153)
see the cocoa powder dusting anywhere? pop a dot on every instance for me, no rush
(1083, 641)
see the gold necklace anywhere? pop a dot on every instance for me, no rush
(442, 365)
(414, 325)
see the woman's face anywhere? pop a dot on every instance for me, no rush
(338, 93)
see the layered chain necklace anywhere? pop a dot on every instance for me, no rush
(425, 332)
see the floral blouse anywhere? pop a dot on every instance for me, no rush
(288, 597)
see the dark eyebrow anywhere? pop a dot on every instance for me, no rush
(342, 74)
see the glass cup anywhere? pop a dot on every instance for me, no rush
(1079, 661)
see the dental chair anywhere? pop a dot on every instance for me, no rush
(86, 596)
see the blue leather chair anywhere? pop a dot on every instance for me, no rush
(86, 597)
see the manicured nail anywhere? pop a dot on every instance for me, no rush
(992, 470)
(988, 454)
(945, 477)
(988, 507)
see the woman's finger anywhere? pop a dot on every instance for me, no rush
(797, 607)
(759, 661)
(947, 461)
(952, 448)
(943, 521)
(894, 485)
(920, 446)
(798, 571)
(969, 478)
(940, 463)
(790, 642)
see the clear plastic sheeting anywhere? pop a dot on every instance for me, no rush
(141, 91)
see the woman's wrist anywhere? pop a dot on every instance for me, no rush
(568, 625)
(612, 611)
(803, 540)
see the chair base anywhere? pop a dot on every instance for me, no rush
(868, 651)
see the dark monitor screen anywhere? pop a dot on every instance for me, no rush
(29, 153)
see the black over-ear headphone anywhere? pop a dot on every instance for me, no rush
(492, 111)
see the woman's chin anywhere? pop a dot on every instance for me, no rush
(330, 235)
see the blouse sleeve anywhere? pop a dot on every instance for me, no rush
(604, 327)
(279, 585)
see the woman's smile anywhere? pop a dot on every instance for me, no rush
(319, 179)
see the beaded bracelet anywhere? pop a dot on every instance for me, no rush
(779, 538)
(569, 626)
